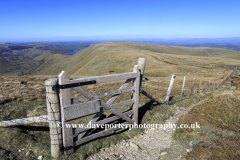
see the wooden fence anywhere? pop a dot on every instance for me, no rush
(62, 109)
(72, 109)
(208, 86)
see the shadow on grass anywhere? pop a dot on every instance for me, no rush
(142, 111)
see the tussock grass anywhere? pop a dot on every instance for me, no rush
(218, 137)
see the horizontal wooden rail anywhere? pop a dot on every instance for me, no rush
(103, 94)
(107, 78)
(23, 121)
(77, 142)
(123, 103)
(104, 121)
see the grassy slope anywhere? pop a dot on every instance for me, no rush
(231, 56)
(218, 116)
(6, 66)
(119, 57)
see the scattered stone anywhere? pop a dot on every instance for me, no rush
(163, 153)
(121, 156)
(191, 143)
(28, 153)
(20, 150)
(188, 150)
(40, 158)
(133, 145)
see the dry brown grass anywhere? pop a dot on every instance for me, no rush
(218, 117)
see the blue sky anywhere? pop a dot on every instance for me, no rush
(117, 19)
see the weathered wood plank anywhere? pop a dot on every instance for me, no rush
(106, 78)
(136, 83)
(65, 100)
(106, 106)
(80, 110)
(104, 121)
(96, 135)
(24, 121)
(127, 102)
(103, 94)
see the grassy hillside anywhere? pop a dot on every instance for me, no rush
(198, 51)
(6, 66)
(232, 55)
(118, 57)
(110, 58)
(113, 57)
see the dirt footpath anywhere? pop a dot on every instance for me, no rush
(151, 145)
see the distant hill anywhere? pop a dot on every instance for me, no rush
(98, 59)
(114, 57)
(198, 51)
(231, 55)
(6, 66)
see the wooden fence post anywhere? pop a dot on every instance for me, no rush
(193, 83)
(141, 65)
(54, 117)
(205, 84)
(136, 84)
(183, 86)
(199, 87)
(65, 100)
(208, 85)
(170, 89)
(216, 85)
